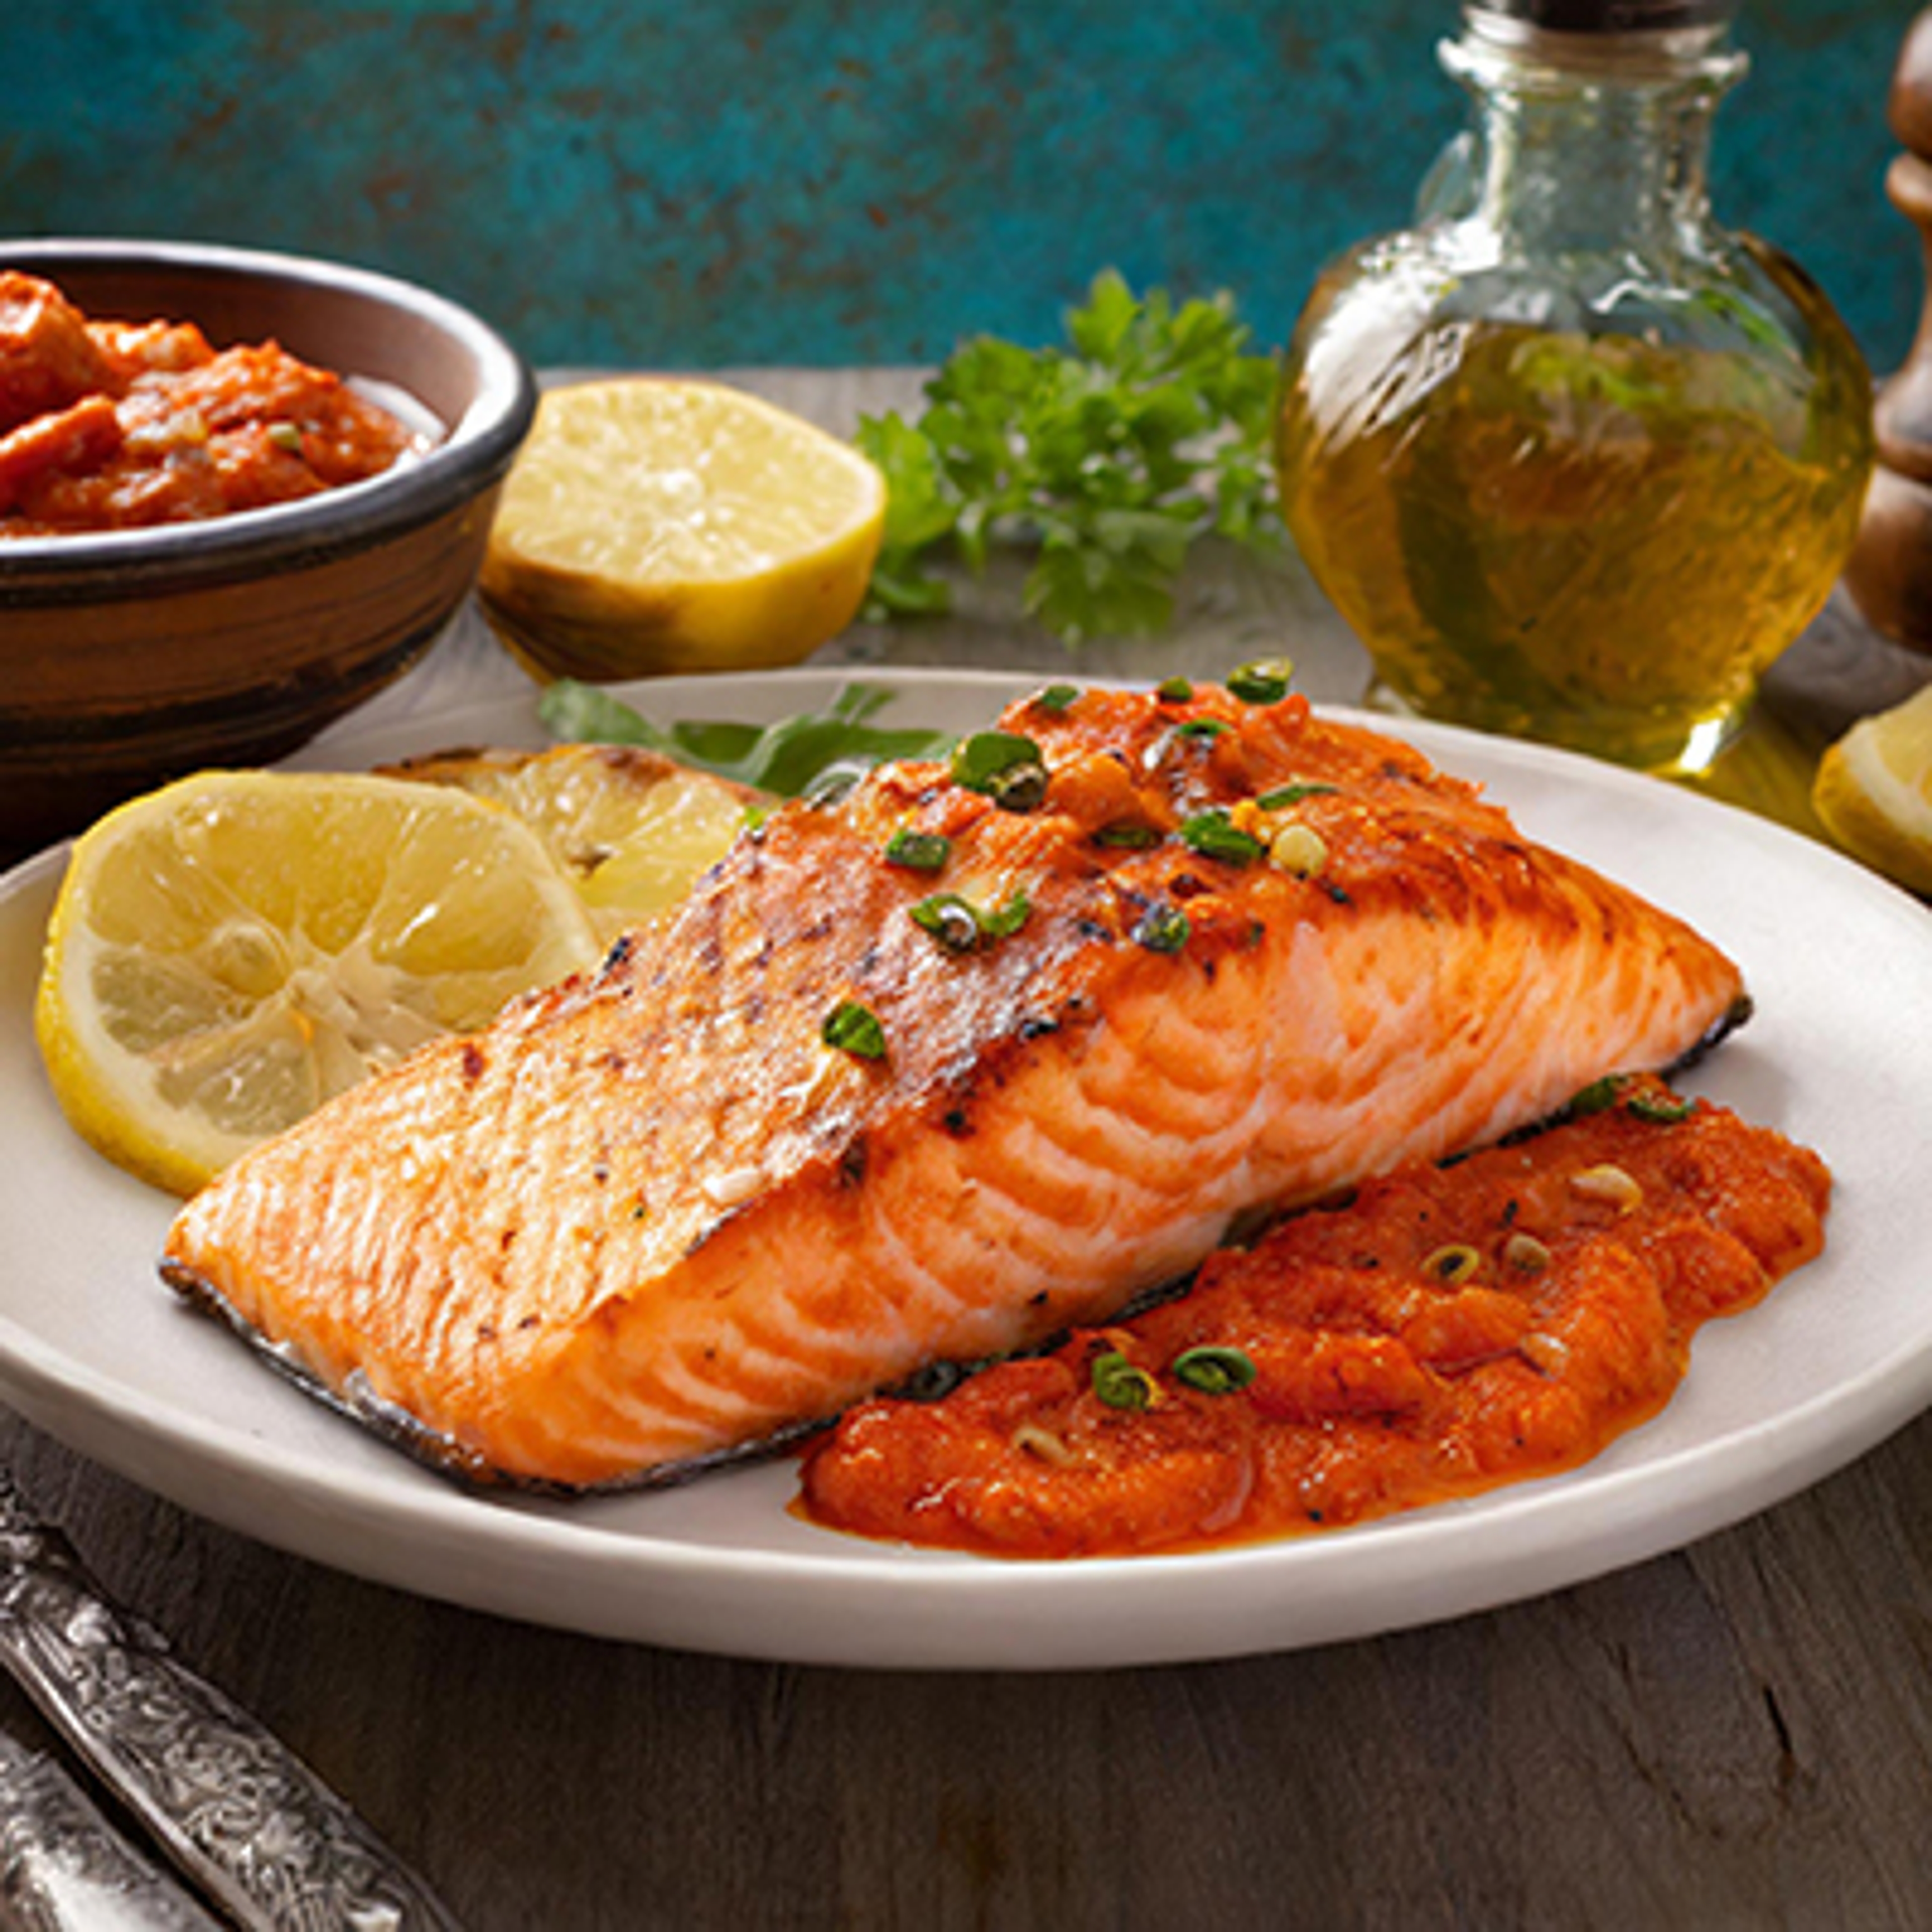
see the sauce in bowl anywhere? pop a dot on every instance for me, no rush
(108, 425)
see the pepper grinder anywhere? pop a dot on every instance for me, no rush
(1889, 574)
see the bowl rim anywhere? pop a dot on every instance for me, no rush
(475, 452)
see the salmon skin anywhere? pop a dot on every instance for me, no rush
(978, 1053)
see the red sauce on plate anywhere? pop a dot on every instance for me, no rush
(116, 425)
(1444, 1330)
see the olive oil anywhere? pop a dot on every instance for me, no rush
(1576, 463)
(1598, 541)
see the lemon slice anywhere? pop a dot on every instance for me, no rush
(630, 828)
(227, 953)
(1874, 791)
(654, 524)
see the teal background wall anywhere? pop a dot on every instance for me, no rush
(828, 181)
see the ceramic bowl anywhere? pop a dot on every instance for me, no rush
(133, 656)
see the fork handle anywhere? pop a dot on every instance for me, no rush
(244, 1819)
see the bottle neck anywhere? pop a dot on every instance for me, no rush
(1593, 144)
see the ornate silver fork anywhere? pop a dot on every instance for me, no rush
(244, 1819)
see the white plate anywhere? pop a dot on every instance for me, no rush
(93, 1349)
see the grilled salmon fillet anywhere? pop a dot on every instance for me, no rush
(929, 1074)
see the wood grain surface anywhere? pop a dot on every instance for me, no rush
(1736, 1735)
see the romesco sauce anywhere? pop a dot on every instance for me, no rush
(1445, 1330)
(114, 425)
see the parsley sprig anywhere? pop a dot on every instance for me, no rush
(814, 750)
(1109, 457)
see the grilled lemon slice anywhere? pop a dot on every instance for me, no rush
(630, 828)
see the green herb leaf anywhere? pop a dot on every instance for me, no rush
(855, 1029)
(1107, 456)
(787, 757)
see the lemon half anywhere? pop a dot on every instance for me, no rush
(227, 953)
(1874, 791)
(658, 524)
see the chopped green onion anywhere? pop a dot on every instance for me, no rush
(855, 1029)
(1661, 1113)
(1126, 835)
(1163, 928)
(1598, 1096)
(1454, 1264)
(1004, 766)
(1291, 794)
(950, 919)
(1057, 697)
(1214, 1368)
(1264, 682)
(1174, 691)
(959, 925)
(1119, 1384)
(1211, 834)
(1003, 920)
(1201, 727)
(918, 851)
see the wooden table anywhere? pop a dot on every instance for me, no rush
(1738, 1735)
